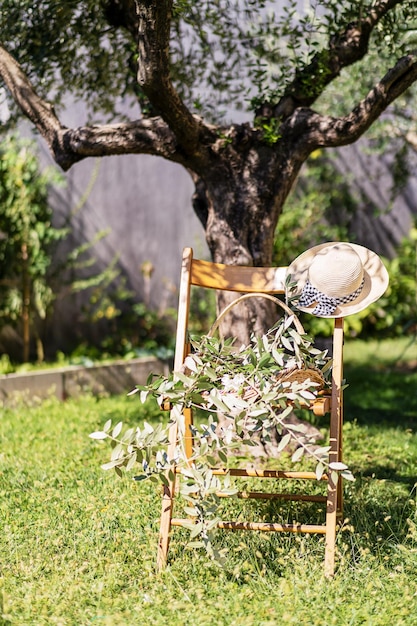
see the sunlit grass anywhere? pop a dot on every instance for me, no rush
(77, 545)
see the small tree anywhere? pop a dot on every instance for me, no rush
(31, 278)
(27, 237)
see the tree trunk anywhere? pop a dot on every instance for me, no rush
(239, 202)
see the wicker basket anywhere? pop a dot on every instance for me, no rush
(300, 375)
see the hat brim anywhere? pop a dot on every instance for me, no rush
(375, 279)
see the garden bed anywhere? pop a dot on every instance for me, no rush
(64, 382)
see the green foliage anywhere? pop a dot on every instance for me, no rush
(236, 52)
(202, 310)
(6, 367)
(70, 47)
(254, 389)
(312, 213)
(270, 128)
(397, 313)
(25, 217)
(27, 235)
(136, 330)
(32, 275)
(255, 49)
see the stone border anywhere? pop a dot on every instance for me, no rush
(114, 378)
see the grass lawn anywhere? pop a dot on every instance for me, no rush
(77, 544)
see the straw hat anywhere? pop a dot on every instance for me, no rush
(336, 279)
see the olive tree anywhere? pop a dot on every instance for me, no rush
(238, 92)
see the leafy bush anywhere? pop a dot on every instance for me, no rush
(138, 330)
(397, 312)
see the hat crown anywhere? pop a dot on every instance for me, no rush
(336, 271)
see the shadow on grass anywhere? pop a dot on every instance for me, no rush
(386, 472)
(381, 395)
(381, 513)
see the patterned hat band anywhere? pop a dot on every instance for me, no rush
(326, 305)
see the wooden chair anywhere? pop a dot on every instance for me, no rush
(269, 281)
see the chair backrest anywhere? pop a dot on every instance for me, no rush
(241, 279)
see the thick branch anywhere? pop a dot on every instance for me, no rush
(345, 48)
(326, 131)
(154, 76)
(147, 136)
(69, 146)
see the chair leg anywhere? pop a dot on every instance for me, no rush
(340, 481)
(165, 524)
(331, 521)
(334, 495)
(167, 499)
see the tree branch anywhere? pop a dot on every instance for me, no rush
(68, 146)
(345, 48)
(147, 136)
(154, 74)
(326, 131)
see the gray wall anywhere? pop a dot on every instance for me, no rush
(145, 203)
(383, 218)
